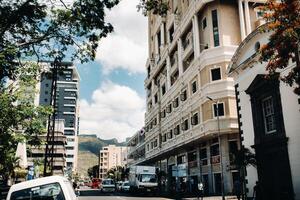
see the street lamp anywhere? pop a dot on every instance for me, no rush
(220, 148)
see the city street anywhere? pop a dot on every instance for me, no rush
(97, 195)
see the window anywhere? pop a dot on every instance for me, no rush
(70, 156)
(69, 148)
(268, 115)
(185, 125)
(46, 100)
(163, 89)
(164, 138)
(214, 149)
(70, 139)
(214, 15)
(176, 102)
(163, 114)
(47, 85)
(183, 95)
(171, 32)
(155, 143)
(170, 134)
(215, 74)
(177, 130)
(203, 156)
(220, 109)
(169, 108)
(46, 92)
(155, 98)
(49, 191)
(194, 87)
(195, 119)
(204, 23)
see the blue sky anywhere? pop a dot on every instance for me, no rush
(92, 76)
(112, 96)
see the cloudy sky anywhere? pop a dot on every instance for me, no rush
(112, 97)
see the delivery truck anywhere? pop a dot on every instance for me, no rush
(142, 179)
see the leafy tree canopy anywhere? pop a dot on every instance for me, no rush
(50, 29)
(20, 119)
(283, 19)
(157, 7)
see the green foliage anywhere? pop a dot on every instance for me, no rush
(20, 119)
(49, 30)
(94, 171)
(157, 7)
(244, 158)
(283, 19)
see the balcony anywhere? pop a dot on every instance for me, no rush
(193, 164)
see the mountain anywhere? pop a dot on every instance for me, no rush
(88, 150)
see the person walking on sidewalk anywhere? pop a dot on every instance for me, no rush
(200, 190)
(237, 189)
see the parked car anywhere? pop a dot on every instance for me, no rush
(125, 186)
(96, 183)
(108, 185)
(52, 187)
(119, 185)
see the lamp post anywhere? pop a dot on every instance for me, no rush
(220, 148)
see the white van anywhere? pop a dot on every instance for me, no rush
(108, 185)
(52, 187)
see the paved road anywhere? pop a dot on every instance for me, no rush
(97, 195)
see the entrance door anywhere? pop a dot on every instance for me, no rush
(206, 184)
(217, 181)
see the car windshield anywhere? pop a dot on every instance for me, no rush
(108, 182)
(148, 178)
(126, 184)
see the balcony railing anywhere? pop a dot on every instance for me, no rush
(193, 164)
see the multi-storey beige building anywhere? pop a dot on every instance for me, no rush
(189, 52)
(37, 154)
(111, 156)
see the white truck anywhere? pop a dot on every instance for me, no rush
(142, 179)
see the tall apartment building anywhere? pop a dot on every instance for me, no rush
(67, 95)
(59, 150)
(189, 52)
(111, 156)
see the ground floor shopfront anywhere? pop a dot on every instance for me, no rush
(182, 168)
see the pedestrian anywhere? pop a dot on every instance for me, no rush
(257, 192)
(237, 189)
(200, 190)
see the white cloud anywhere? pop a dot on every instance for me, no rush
(115, 111)
(126, 48)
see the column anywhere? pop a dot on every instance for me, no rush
(196, 39)
(168, 72)
(180, 64)
(156, 50)
(247, 16)
(242, 22)
(162, 34)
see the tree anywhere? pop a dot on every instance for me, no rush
(157, 7)
(93, 171)
(20, 119)
(49, 30)
(283, 20)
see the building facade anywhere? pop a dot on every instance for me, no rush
(189, 53)
(37, 154)
(67, 106)
(269, 115)
(136, 148)
(111, 156)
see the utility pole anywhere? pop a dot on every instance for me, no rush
(49, 150)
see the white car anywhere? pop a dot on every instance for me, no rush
(125, 186)
(108, 185)
(52, 187)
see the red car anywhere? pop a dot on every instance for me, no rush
(96, 183)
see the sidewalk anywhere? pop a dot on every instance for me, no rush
(213, 198)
